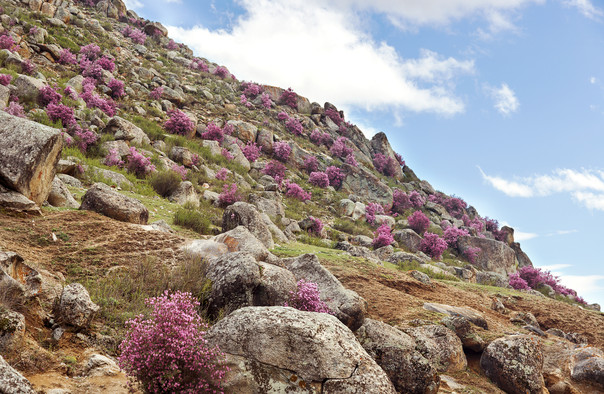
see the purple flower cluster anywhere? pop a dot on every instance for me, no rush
(113, 158)
(351, 161)
(295, 191)
(227, 154)
(92, 100)
(336, 176)
(294, 126)
(433, 245)
(319, 138)
(213, 132)
(85, 138)
(339, 148)
(266, 101)
(157, 93)
(48, 95)
(171, 45)
(334, 116)
(251, 90)
(418, 222)
(5, 79)
(198, 64)
(66, 57)
(222, 174)
(138, 163)
(317, 226)
(382, 236)
(289, 98)
(167, 351)
(311, 163)
(275, 169)
(7, 42)
(15, 109)
(471, 253)
(221, 72)
(180, 170)
(282, 116)
(179, 123)
(282, 150)
(117, 88)
(451, 235)
(136, 35)
(251, 151)
(385, 164)
(90, 52)
(318, 179)
(61, 112)
(229, 195)
(371, 210)
(307, 298)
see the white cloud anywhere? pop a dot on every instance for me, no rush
(133, 4)
(593, 80)
(562, 232)
(581, 185)
(520, 236)
(587, 286)
(506, 101)
(554, 267)
(586, 8)
(322, 54)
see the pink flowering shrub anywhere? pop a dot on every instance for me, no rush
(48, 95)
(136, 35)
(282, 150)
(371, 210)
(221, 72)
(311, 163)
(229, 195)
(200, 65)
(339, 148)
(7, 42)
(266, 101)
(251, 151)
(289, 98)
(214, 132)
(179, 123)
(275, 169)
(66, 57)
(222, 174)
(138, 163)
(317, 226)
(180, 170)
(167, 352)
(157, 93)
(336, 176)
(451, 235)
(90, 51)
(318, 179)
(251, 90)
(294, 126)
(433, 245)
(5, 79)
(295, 191)
(243, 100)
(471, 253)
(282, 116)
(106, 63)
(61, 112)
(350, 160)
(113, 158)
(382, 236)
(27, 67)
(307, 298)
(70, 92)
(227, 154)
(517, 282)
(416, 199)
(455, 206)
(85, 138)
(15, 109)
(418, 222)
(384, 164)
(315, 137)
(171, 45)
(399, 159)
(400, 201)
(117, 88)
(334, 116)
(92, 100)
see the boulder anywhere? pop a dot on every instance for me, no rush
(380, 144)
(523, 259)
(102, 199)
(313, 352)
(357, 251)
(264, 139)
(12, 328)
(470, 314)
(276, 285)
(182, 155)
(26, 281)
(16, 202)
(269, 203)
(494, 256)
(400, 258)
(240, 239)
(587, 365)
(420, 276)
(394, 351)
(125, 130)
(464, 331)
(384, 252)
(120, 146)
(27, 88)
(440, 346)
(515, 364)
(346, 304)
(346, 207)
(99, 365)
(12, 381)
(110, 176)
(155, 29)
(524, 318)
(4, 96)
(245, 131)
(70, 181)
(407, 239)
(246, 215)
(60, 196)
(205, 249)
(30, 152)
(75, 307)
(492, 279)
(363, 183)
(185, 193)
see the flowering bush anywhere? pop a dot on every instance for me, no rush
(90, 51)
(27, 67)
(215, 133)
(400, 201)
(517, 282)
(85, 138)
(316, 137)
(117, 88)
(282, 116)
(382, 236)
(317, 226)
(433, 245)
(243, 100)
(5, 79)
(334, 116)
(295, 191)
(385, 165)
(294, 126)
(106, 63)
(198, 64)
(157, 93)
(222, 174)
(455, 206)
(229, 195)
(471, 253)
(307, 298)
(282, 150)
(251, 151)
(227, 154)
(171, 45)
(179, 123)
(418, 222)
(221, 72)
(311, 163)
(371, 210)
(289, 98)
(339, 148)
(70, 92)
(92, 100)
(7, 42)
(180, 170)
(15, 109)
(251, 90)
(350, 160)
(318, 179)
(266, 101)
(48, 95)
(136, 35)
(113, 158)
(416, 199)
(336, 176)
(275, 169)
(167, 352)
(452, 233)
(66, 57)
(399, 159)
(61, 112)
(138, 163)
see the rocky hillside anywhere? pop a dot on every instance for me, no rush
(317, 258)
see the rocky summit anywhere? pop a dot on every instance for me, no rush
(165, 227)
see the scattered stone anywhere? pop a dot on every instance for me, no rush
(246, 215)
(75, 307)
(464, 331)
(400, 258)
(407, 239)
(16, 202)
(12, 328)
(205, 249)
(12, 381)
(99, 365)
(125, 130)
(498, 306)
(494, 256)
(469, 313)
(587, 365)
(102, 199)
(60, 196)
(420, 276)
(440, 346)
(524, 318)
(27, 88)
(185, 194)
(240, 239)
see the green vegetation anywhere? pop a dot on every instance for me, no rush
(189, 217)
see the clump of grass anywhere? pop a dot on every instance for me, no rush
(165, 183)
(153, 130)
(190, 217)
(349, 226)
(414, 265)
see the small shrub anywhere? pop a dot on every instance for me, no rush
(213, 133)
(384, 164)
(222, 174)
(48, 95)
(311, 163)
(282, 116)
(226, 154)
(229, 195)
(61, 112)
(334, 116)
(180, 170)
(165, 183)
(85, 138)
(294, 126)
(27, 67)
(7, 42)
(251, 90)
(179, 123)
(275, 169)
(136, 35)
(191, 218)
(117, 88)
(200, 65)
(295, 191)
(307, 298)
(113, 158)
(221, 72)
(157, 93)
(317, 226)
(517, 282)
(106, 63)
(418, 222)
(5, 79)
(336, 176)
(282, 150)
(371, 210)
(400, 201)
(399, 159)
(339, 148)
(251, 151)
(289, 98)
(350, 160)
(416, 199)
(433, 245)
(90, 51)
(166, 351)
(138, 163)
(382, 237)
(471, 253)
(318, 179)
(266, 101)
(451, 235)
(15, 109)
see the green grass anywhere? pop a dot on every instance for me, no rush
(349, 226)
(190, 217)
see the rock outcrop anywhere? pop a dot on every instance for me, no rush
(102, 199)
(247, 215)
(494, 256)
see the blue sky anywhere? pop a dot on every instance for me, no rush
(500, 102)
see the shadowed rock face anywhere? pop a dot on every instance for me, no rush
(30, 153)
(494, 256)
(364, 184)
